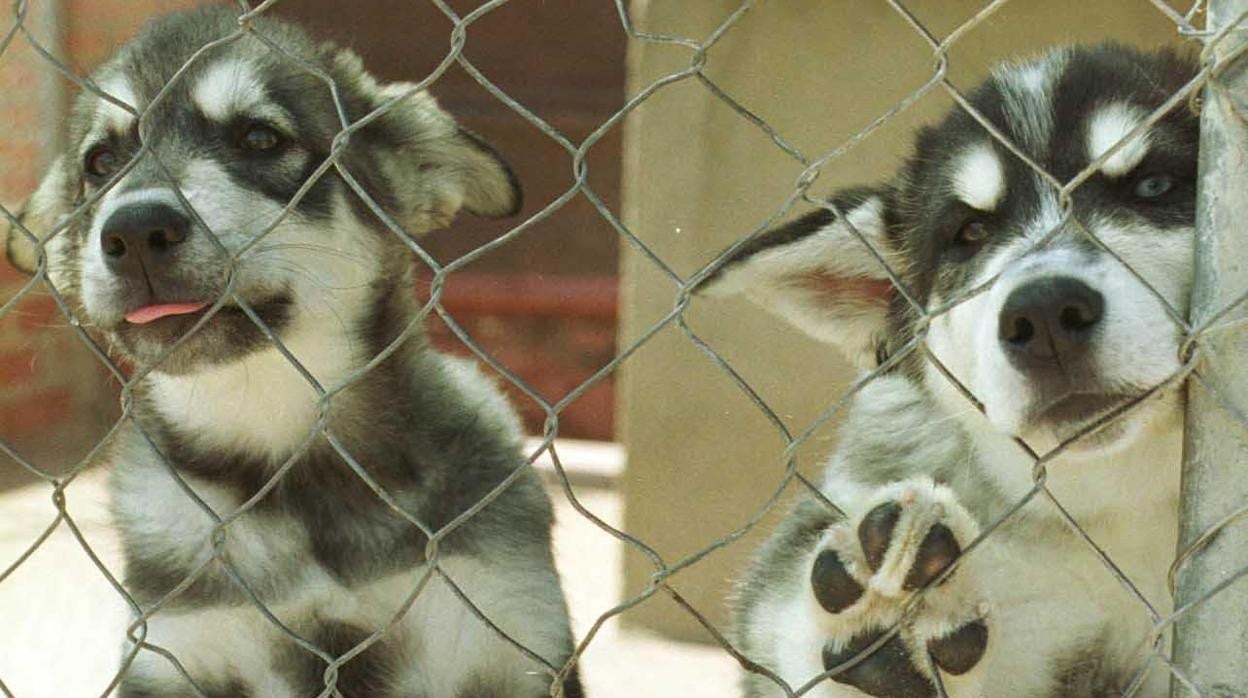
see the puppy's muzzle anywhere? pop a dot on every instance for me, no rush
(141, 239)
(1050, 322)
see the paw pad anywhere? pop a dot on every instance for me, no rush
(834, 588)
(937, 551)
(876, 532)
(959, 651)
(887, 671)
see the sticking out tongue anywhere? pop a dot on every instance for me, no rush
(149, 313)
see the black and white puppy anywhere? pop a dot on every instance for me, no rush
(155, 260)
(1060, 335)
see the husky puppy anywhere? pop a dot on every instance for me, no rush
(1059, 335)
(149, 227)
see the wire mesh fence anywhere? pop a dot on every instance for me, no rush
(1208, 658)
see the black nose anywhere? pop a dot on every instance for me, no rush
(1049, 320)
(142, 236)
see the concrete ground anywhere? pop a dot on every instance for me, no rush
(63, 623)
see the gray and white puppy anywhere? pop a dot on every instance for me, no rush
(143, 255)
(1061, 335)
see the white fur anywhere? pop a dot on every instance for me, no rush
(227, 88)
(786, 280)
(160, 517)
(1133, 318)
(1041, 586)
(262, 401)
(1109, 126)
(1028, 89)
(439, 630)
(109, 117)
(978, 177)
(241, 645)
(788, 626)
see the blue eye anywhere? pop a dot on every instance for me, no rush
(1153, 186)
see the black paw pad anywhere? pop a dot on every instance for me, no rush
(876, 532)
(834, 588)
(887, 672)
(937, 551)
(959, 651)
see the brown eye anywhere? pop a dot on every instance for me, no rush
(260, 138)
(972, 233)
(101, 161)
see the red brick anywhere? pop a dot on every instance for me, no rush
(38, 312)
(16, 367)
(35, 413)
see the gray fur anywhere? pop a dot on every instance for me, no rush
(222, 412)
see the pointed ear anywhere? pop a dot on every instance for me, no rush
(817, 274)
(41, 212)
(433, 166)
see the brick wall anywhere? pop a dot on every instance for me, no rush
(55, 401)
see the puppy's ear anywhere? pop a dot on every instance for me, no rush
(433, 166)
(817, 274)
(41, 212)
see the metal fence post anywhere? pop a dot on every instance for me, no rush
(1211, 635)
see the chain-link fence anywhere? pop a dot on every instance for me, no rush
(1208, 655)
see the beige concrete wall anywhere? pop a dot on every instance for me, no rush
(701, 457)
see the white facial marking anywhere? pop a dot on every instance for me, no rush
(979, 178)
(115, 117)
(228, 88)
(1047, 220)
(1110, 125)
(1137, 345)
(1027, 90)
(109, 117)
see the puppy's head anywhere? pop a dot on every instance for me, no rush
(1048, 329)
(141, 220)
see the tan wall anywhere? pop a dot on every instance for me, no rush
(701, 457)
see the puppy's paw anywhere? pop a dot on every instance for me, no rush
(864, 579)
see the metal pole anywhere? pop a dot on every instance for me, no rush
(1211, 639)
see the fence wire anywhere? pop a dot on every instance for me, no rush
(1222, 45)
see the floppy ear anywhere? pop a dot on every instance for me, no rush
(434, 166)
(817, 274)
(41, 212)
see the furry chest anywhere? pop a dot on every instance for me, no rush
(270, 604)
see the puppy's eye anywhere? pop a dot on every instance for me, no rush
(101, 161)
(972, 234)
(260, 138)
(1154, 186)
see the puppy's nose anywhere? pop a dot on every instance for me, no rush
(142, 235)
(1049, 320)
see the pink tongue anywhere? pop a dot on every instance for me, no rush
(148, 313)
